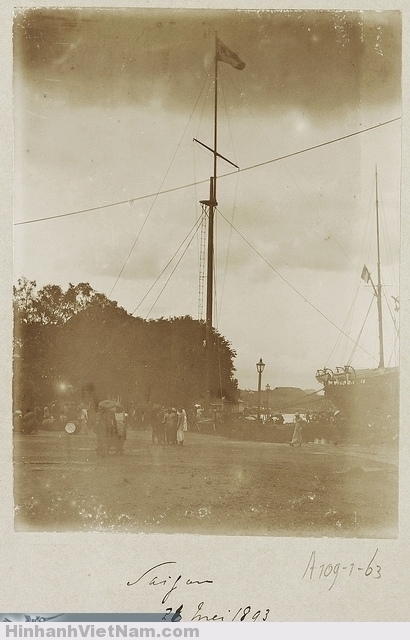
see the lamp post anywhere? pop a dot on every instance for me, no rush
(259, 368)
(267, 399)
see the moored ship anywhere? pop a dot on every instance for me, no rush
(366, 397)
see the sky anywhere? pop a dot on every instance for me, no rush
(106, 106)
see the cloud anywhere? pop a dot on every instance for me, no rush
(320, 62)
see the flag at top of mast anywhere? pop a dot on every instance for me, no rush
(225, 54)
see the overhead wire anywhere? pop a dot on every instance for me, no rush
(312, 207)
(292, 286)
(349, 317)
(224, 175)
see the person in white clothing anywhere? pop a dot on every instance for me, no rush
(298, 430)
(182, 426)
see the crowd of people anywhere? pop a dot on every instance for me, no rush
(108, 421)
(169, 426)
(57, 415)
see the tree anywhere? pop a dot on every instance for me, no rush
(77, 343)
(39, 318)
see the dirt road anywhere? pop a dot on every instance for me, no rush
(211, 485)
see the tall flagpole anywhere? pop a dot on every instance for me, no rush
(212, 205)
(210, 260)
(224, 54)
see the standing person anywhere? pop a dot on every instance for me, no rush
(48, 419)
(83, 418)
(182, 426)
(297, 433)
(17, 420)
(161, 425)
(30, 420)
(197, 413)
(102, 427)
(167, 425)
(338, 423)
(154, 423)
(105, 427)
(170, 420)
(121, 427)
(174, 426)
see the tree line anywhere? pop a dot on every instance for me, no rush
(77, 344)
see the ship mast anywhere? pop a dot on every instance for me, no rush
(379, 284)
(211, 210)
(208, 209)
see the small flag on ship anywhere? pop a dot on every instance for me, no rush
(225, 54)
(365, 274)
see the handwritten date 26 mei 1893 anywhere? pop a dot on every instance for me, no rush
(166, 580)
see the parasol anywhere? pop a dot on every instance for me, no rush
(107, 404)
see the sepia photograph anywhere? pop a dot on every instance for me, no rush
(206, 257)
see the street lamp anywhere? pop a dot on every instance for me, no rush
(267, 399)
(259, 368)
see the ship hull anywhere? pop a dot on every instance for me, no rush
(372, 400)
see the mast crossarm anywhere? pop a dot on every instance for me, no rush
(209, 203)
(217, 154)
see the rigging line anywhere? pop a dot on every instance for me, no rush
(293, 287)
(295, 181)
(197, 215)
(194, 151)
(345, 324)
(214, 275)
(386, 237)
(313, 393)
(171, 274)
(366, 246)
(228, 120)
(124, 324)
(193, 230)
(214, 272)
(348, 326)
(367, 242)
(393, 353)
(233, 211)
(228, 253)
(387, 303)
(219, 363)
(155, 199)
(224, 175)
(360, 333)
